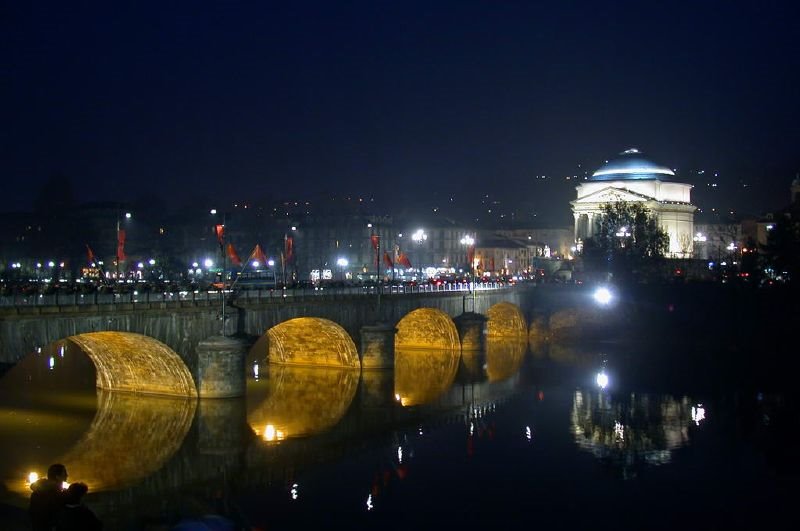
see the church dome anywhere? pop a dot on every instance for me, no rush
(631, 165)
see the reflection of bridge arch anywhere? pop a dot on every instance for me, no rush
(428, 328)
(506, 319)
(299, 401)
(421, 376)
(312, 341)
(136, 363)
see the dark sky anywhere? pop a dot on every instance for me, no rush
(242, 99)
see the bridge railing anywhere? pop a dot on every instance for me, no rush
(134, 297)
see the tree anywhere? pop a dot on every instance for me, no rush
(628, 244)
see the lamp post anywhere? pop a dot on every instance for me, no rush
(469, 242)
(420, 238)
(120, 255)
(219, 230)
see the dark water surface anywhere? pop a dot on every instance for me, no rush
(693, 439)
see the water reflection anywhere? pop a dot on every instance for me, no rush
(422, 375)
(634, 430)
(504, 357)
(298, 401)
(131, 437)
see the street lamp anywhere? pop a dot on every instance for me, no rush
(342, 263)
(419, 238)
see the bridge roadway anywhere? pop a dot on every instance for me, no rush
(151, 332)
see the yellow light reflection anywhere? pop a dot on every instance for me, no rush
(299, 401)
(421, 376)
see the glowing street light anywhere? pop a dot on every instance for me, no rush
(603, 296)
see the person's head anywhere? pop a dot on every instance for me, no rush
(57, 472)
(75, 493)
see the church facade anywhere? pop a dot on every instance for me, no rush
(632, 178)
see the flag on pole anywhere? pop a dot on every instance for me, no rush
(375, 239)
(470, 256)
(288, 248)
(234, 258)
(387, 260)
(219, 230)
(403, 260)
(259, 255)
(121, 245)
(90, 255)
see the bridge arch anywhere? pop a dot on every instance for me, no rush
(313, 342)
(428, 328)
(136, 363)
(506, 320)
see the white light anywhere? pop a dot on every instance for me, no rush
(369, 502)
(602, 296)
(271, 262)
(294, 227)
(208, 262)
(255, 370)
(698, 413)
(619, 431)
(400, 454)
(213, 211)
(33, 477)
(295, 486)
(140, 265)
(602, 379)
(51, 264)
(52, 362)
(127, 215)
(256, 263)
(151, 261)
(342, 262)
(528, 433)
(369, 225)
(195, 264)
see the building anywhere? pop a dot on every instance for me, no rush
(633, 178)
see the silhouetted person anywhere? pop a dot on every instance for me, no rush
(75, 516)
(47, 498)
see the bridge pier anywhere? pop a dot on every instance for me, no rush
(220, 367)
(471, 330)
(377, 346)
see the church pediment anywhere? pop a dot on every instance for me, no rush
(612, 195)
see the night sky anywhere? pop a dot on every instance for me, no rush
(240, 100)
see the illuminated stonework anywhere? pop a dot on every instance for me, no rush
(421, 376)
(136, 363)
(427, 328)
(506, 320)
(312, 341)
(299, 401)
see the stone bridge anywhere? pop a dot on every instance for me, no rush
(158, 347)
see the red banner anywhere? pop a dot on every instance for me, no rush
(259, 255)
(234, 258)
(121, 246)
(387, 260)
(288, 250)
(403, 260)
(376, 240)
(219, 230)
(90, 255)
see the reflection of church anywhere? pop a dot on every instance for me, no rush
(632, 178)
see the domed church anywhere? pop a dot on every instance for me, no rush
(633, 178)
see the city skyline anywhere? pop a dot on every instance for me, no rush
(232, 102)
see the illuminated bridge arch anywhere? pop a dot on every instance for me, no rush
(428, 328)
(312, 341)
(136, 363)
(506, 320)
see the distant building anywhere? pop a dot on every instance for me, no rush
(633, 178)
